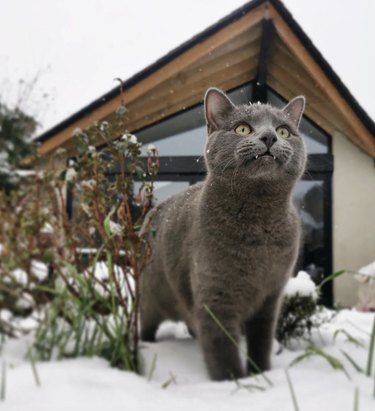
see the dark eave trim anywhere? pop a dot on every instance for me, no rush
(235, 15)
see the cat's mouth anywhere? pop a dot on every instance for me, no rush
(266, 154)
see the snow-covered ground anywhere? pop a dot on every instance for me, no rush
(179, 380)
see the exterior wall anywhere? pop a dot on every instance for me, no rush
(353, 215)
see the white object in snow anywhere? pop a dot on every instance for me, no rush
(301, 285)
(39, 269)
(366, 289)
(71, 174)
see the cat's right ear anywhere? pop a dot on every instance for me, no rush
(216, 106)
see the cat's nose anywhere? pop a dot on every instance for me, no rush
(269, 140)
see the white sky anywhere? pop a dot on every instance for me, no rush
(77, 47)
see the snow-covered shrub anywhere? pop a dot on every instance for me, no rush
(298, 313)
(16, 130)
(53, 263)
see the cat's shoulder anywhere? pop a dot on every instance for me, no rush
(187, 195)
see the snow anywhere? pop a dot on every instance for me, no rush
(130, 138)
(39, 269)
(151, 149)
(71, 174)
(115, 228)
(366, 288)
(368, 272)
(47, 229)
(180, 381)
(302, 285)
(25, 173)
(19, 275)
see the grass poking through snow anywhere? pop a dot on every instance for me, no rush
(31, 357)
(315, 351)
(225, 331)
(371, 351)
(152, 368)
(3, 380)
(356, 400)
(291, 389)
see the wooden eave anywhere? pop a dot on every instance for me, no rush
(226, 56)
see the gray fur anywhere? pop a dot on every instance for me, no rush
(231, 241)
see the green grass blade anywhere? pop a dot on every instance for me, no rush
(332, 361)
(34, 369)
(171, 379)
(371, 351)
(107, 222)
(356, 400)
(3, 381)
(349, 337)
(299, 359)
(248, 387)
(291, 389)
(153, 368)
(217, 321)
(354, 364)
(331, 277)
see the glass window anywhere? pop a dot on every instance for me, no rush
(308, 199)
(185, 133)
(315, 139)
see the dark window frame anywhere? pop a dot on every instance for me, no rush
(192, 169)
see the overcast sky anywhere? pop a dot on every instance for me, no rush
(75, 48)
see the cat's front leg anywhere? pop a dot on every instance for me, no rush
(260, 331)
(220, 353)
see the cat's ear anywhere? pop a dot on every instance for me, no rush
(294, 110)
(216, 106)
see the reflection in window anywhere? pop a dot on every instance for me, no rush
(308, 198)
(315, 139)
(165, 189)
(185, 133)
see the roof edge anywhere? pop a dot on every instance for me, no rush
(325, 66)
(136, 78)
(203, 35)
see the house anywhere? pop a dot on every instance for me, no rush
(259, 53)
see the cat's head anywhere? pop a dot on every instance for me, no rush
(253, 141)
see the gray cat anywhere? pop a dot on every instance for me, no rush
(230, 242)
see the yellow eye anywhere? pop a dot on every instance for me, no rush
(283, 132)
(243, 130)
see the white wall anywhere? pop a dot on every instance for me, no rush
(353, 215)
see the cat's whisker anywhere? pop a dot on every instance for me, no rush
(230, 162)
(233, 178)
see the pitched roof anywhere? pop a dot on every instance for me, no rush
(244, 27)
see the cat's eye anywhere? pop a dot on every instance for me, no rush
(283, 132)
(243, 129)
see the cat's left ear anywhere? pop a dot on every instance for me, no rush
(294, 110)
(216, 106)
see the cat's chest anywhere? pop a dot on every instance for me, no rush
(252, 231)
